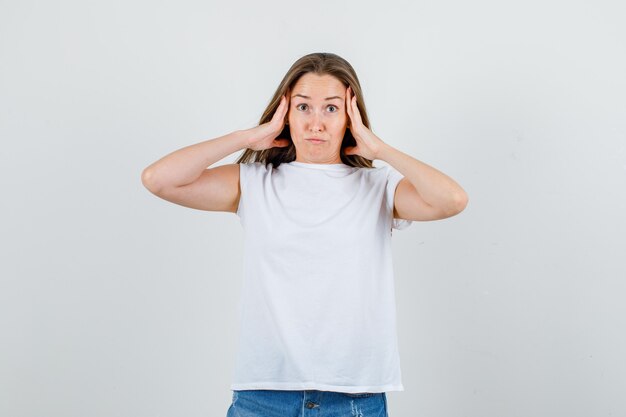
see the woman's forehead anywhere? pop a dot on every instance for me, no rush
(319, 87)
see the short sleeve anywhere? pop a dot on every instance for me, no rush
(243, 171)
(250, 175)
(393, 178)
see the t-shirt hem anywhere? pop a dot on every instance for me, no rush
(290, 386)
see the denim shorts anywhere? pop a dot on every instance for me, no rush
(308, 403)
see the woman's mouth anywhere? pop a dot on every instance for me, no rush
(314, 140)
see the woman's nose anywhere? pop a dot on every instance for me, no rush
(316, 122)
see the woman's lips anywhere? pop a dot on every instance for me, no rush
(316, 140)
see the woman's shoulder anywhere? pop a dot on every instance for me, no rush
(255, 166)
(382, 170)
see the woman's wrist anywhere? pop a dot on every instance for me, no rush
(244, 137)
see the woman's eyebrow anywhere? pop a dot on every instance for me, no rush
(327, 98)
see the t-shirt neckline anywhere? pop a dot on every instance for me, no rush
(325, 167)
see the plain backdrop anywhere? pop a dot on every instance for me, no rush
(114, 302)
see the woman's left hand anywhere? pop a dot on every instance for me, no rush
(367, 143)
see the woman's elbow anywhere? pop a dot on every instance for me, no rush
(460, 202)
(149, 180)
(456, 205)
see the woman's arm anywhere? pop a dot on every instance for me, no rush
(182, 177)
(184, 166)
(424, 193)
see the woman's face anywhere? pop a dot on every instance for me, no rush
(317, 110)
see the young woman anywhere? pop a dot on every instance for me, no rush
(317, 310)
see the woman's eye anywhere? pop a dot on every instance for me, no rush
(335, 109)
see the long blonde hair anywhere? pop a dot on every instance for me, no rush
(320, 63)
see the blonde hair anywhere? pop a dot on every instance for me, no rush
(320, 63)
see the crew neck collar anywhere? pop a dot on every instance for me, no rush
(325, 167)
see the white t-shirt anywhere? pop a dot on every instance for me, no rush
(317, 309)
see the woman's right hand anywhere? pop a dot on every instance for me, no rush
(264, 136)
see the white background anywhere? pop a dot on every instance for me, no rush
(114, 302)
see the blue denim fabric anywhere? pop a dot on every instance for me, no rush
(308, 403)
